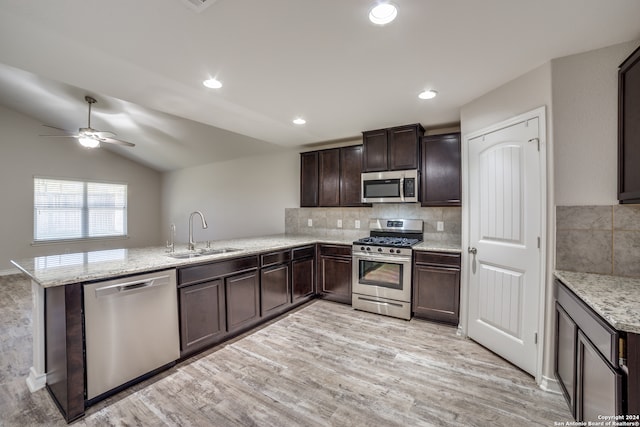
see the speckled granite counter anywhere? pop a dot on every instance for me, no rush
(616, 299)
(64, 269)
(438, 247)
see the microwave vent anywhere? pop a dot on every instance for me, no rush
(198, 5)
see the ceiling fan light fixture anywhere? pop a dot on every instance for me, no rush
(299, 121)
(212, 83)
(427, 94)
(383, 13)
(88, 142)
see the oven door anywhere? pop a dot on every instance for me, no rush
(382, 276)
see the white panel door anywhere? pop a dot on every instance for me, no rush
(505, 224)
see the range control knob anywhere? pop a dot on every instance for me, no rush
(368, 248)
(362, 248)
(393, 250)
(379, 249)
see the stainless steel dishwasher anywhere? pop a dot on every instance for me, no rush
(131, 328)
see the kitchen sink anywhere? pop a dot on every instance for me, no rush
(202, 252)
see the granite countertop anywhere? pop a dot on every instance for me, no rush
(615, 298)
(438, 247)
(65, 269)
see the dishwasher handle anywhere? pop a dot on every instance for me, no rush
(131, 286)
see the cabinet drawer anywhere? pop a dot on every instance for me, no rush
(600, 333)
(304, 252)
(274, 258)
(199, 273)
(438, 258)
(335, 250)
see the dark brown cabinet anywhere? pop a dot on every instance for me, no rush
(586, 358)
(436, 286)
(334, 272)
(629, 129)
(329, 173)
(309, 179)
(303, 274)
(275, 290)
(202, 314)
(396, 148)
(330, 178)
(243, 300)
(441, 174)
(350, 172)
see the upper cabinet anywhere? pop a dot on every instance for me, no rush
(331, 177)
(629, 129)
(396, 148)
(440, 177)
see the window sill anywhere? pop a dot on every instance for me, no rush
(82, 240)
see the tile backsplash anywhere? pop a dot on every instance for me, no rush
(325, 220)
(599, 239)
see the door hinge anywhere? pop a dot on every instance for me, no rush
(537, 140)
(538, 242)
(535, 338)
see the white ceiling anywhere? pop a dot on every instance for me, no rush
(144, 61)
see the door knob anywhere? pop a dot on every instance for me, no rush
(472, 250)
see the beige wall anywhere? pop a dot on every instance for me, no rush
(23, 155)
(585, 123)
(239, 198)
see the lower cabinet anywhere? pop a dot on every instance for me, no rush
(203, 317)
(586, 360)
(243, 300)
(275, 286)
(436, 286)
(334, 272)
(303, 274)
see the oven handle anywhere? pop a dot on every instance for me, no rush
(382, 258)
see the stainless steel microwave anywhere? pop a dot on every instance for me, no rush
(390, 186)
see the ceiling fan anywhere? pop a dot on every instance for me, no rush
(89, 137)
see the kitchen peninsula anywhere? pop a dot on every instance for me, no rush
(58, 282)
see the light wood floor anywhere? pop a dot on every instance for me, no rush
(322, 365)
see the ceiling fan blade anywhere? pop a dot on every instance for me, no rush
(103, 134)
(57, 128)
(60, 136)
(117, 142)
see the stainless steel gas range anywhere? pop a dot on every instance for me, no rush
(381, 280)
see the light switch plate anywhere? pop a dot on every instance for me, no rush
(309, 222)
(357, 225)
(339, 224)
(440, 226)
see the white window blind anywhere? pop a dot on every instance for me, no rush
(67, 210)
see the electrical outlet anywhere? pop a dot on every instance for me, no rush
(309, 222)
(440, 226)
(339, 224)
(357, 225)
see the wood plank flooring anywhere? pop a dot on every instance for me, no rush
(322, 365)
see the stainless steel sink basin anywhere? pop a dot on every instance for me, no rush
(201, 252)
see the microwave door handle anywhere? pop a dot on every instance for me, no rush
(402, 189)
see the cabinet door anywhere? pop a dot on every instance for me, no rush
(441, 176)
(350, 176)
(309, 179)
(335, 278)
(302, 279)
(243, 300)
(202, 316)
(565, 356)
(629, 129)
(599, 385)
(375, 152)
(436, 293)
(329, 173)
(274, 289)
(404, 147)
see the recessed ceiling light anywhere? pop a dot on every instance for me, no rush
(212, 83)
(427, 94)
(383, 13)
(299, 121)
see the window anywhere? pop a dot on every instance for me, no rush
(69, 210)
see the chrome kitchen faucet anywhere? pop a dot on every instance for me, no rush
(192, 243)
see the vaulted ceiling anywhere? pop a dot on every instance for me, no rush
(145, 61)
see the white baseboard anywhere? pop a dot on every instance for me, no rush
(550, 385)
